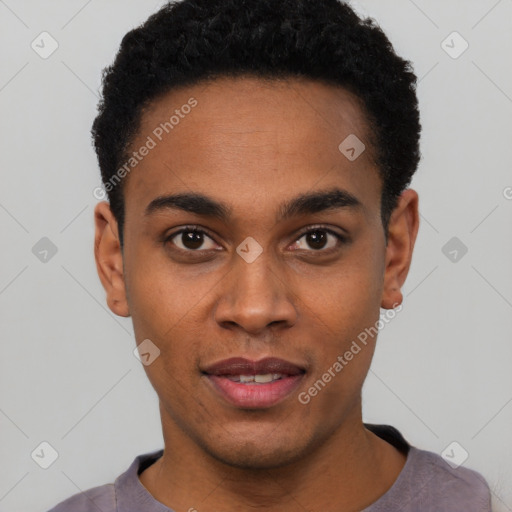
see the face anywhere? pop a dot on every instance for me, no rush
(250, 235)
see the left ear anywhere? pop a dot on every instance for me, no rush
(402, 231)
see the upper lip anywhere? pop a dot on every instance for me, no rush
(243, 366)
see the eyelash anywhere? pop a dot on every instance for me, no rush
(341, 239)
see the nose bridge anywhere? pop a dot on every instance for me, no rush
(258, 277)
(255, 295)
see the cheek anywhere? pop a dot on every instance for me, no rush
(345, 306)
(346, 298)
(165, 310)
(160, 293)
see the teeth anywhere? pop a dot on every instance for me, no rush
(258, 379)
(268, 377)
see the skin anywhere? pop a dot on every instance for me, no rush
(254, 145)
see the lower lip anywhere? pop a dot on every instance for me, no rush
(255, 396)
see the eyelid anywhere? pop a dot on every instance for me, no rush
(321, 227)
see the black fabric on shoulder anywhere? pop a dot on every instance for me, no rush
(391, 435)
(150, 460)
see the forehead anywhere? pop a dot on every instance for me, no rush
(250, 136)
(262, 105)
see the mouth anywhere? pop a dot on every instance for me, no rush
(254, 384)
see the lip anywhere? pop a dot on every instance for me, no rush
(253, 396)
(243, 366)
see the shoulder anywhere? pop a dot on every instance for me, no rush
(429, 483)
(94, 499)
(437, 483)
(125, 493)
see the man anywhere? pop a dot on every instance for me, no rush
(256, 156)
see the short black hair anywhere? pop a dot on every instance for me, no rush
(189, 41)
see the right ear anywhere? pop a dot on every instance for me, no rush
(109, 259)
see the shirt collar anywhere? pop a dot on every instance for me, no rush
(131, 495)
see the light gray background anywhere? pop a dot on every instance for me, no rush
(68, 376)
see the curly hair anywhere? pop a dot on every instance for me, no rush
(189, 41)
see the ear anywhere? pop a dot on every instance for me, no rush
(402, 231)
(109, 259)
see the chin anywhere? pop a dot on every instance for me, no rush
(254, 458)
(267, 452)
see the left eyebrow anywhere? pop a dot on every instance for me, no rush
(304, 204)
(319, 201)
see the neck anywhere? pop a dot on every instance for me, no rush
(350, 471)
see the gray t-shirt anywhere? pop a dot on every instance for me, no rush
(426, 484)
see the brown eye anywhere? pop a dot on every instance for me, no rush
(316, 239)
(191, 240)
(319, 239)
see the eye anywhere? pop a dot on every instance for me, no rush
(319, 239)
(191, 239)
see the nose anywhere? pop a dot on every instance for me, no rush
(255, 296)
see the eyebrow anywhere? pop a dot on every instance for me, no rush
(304, 204)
